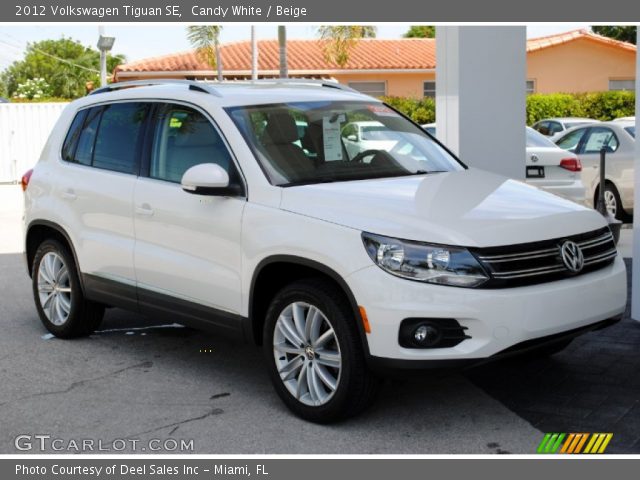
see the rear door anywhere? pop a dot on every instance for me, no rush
(95, 187)
(594, 140)
(187, 246)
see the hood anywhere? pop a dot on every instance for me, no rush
(469, 208)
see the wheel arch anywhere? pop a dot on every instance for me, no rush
(262, 290)
(40, 230)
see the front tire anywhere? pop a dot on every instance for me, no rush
(58, 295)
(314, 353)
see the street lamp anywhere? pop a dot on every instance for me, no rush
(105, 44)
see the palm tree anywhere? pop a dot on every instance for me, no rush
(340, 39)
(206, 40)
(282, 43)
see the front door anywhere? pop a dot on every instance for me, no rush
(187, 246)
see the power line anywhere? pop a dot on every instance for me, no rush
(63, 60)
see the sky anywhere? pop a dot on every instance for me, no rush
(140, 41)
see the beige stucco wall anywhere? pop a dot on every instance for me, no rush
(398, 84)
(579, 66)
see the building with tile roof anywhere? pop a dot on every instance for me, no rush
(576, 61)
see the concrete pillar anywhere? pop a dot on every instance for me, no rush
(635, 293)
(480, 95)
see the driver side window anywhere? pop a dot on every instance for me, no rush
(184, 138)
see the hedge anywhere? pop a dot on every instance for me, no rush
(420, 110)
(597, 105)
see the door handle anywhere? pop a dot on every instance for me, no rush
(144, 209)
(69, 194)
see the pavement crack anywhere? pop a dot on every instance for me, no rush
(213, 411)
(80, 383)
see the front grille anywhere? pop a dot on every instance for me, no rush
(540, 262)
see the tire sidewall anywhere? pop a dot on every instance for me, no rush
(344, 329)
(66, 329)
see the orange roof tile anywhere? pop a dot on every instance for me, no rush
(566, 37)
(303, 56)
(307, 56)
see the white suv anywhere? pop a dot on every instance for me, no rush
(209, 205)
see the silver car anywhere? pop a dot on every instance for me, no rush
(550, 127)
(618, 138)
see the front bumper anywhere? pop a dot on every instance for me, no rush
(495, 319)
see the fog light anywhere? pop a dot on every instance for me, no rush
(426, 335)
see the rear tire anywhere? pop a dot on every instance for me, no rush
(612, 202)
(314, 353)
(58, 295)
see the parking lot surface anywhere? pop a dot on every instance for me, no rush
(138, 378)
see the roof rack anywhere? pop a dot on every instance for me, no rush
(191, 84)
(299, 81)
(209, 86)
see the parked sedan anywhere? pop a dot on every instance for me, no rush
(553, 169)
(618, 138)
(553, 126)
(367, 135)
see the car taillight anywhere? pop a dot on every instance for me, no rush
(571, 164)
(24, 181)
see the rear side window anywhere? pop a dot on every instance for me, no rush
(599, 138)
(71, 142)
(121, 126)
(87, 137)
(106, 136)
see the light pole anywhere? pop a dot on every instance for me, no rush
(105, 44)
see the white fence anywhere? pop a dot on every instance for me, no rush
(24, 129)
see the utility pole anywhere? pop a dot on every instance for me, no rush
(105, 44)
(254, 53)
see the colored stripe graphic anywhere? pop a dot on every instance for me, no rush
(551, 442)
(596, 443)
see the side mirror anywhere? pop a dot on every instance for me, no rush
(352, 138)
(208, 179)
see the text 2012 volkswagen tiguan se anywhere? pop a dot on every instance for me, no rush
(237, 207)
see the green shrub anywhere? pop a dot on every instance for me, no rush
(541, 106)
(420, 110)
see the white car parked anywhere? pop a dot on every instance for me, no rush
(173, 199)
(618, 137)
(550, 127)
(553, 169)
(361, 136)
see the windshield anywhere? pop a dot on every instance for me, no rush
(536, 139)
(313, 142)
(632, 131)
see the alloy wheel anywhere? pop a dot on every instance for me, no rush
(610, 202)
(307, 353)
(54, 288)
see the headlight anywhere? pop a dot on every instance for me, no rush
(423, 262)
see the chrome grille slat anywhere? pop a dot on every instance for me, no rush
(517, 256)
(515, 265)
(529, 272)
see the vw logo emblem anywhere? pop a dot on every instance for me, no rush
(572, 256)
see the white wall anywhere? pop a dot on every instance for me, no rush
(24, 129)
(480, 95)
(635, 293)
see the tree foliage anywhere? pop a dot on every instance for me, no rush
(624, 33)
(340, 40)
(421, 31)
(65, 64)
(206, 40)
